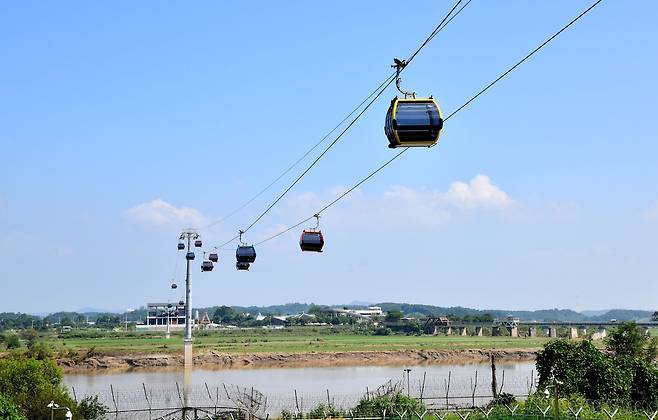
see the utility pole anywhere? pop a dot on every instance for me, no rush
(189, 235)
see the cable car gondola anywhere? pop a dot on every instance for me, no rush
(173, 285)
(213, 257)
(412, 122)
(181, 302)
(206, 266)
(189, 256)
(245, 254)
(181, 246)
(312, 239)
(198, 243)
(242, 265)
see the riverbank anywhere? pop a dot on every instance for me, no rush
(219, 360)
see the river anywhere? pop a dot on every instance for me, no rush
(276, 389)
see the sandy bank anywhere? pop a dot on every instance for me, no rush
(217, 360)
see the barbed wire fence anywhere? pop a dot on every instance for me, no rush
(443, 398)
(435, 392)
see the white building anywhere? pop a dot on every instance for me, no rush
(159, 314)
(369, 312)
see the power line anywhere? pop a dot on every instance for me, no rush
(301, 158)
(390, 80)
(524, 58)
(385, 164)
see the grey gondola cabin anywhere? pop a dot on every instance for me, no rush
(311, 240)
(198, 243)
(213, 257)
(189, 256)
(181, 246)
(413, 122)
(245, 254)
(206, 266)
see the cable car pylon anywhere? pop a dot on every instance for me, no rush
(187, 236)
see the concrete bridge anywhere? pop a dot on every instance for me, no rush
(434, 325)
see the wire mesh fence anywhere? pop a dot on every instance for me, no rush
(442, 398)
(435, 391)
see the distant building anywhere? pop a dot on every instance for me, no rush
(279, 321)
(158, 314)
(371, 311)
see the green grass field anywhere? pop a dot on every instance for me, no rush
(291, 340)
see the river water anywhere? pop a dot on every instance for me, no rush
(274, 389)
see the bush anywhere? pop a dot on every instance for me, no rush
(322, 411)
(91, 409)
(9, 410)
(383, 331)
(39, 350)
(12, 341)
(629, 340)
(29, 336)
(397, 403)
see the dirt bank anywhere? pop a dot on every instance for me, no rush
(217, 360)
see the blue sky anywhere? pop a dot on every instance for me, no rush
(122, 122)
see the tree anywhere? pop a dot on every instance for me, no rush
(630, 341)
(9, 410)
(583, 369)
(30, 337)
(31, 384)
(393, 316)
(92, 409)
(223, 314)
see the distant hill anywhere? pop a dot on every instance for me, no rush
(408, 309)
(624, 315)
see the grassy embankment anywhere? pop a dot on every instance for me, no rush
(296, 340)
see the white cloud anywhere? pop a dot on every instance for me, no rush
(651, 213)
(161, 213)
(479, 192)
(399, 207)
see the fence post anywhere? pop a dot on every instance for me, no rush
(422, 387)
(296, 402)
(146, 397)
(116, 407)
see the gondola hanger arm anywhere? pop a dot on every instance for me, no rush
(398, 65)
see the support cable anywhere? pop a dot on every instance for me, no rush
(464, 105)
(381, 90)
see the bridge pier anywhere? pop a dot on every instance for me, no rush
(532, 332)
(495, 331)
(449, 331)
(463, 331)
(478, 331)
(513, 331)
(552, 332)
(646, 332)
(583, 331)
(573, 333)
(600, 334)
